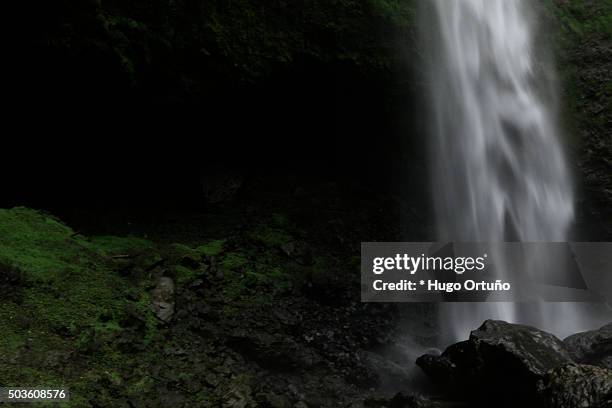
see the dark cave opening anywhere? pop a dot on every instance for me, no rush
(83, 141)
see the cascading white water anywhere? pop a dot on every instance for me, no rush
(499, 170)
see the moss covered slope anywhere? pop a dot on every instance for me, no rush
(77, 311)
(64, 289)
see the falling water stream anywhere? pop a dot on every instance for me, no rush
(499, 169)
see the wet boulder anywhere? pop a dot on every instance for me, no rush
(592, 347)
(501, 363)
(577, 386)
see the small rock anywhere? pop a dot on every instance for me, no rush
(238, 396)
(162, 299)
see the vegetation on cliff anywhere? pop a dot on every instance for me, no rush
(585, 59)
(186, 48)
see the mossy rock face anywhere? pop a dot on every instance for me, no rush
(584, 54)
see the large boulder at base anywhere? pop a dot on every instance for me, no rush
(577, 386)
(592, 347)
(501, 363)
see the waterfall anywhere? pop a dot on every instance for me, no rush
(499, 173)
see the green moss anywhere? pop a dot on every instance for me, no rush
(23, 245)
(12, 338)
(212, 248)
(111, 245)
(179, 251)
(142, 386)
(71, 301)
(233, 261)
(401, 13)
(143, 308)
(70, 280)
(584, 18)
(184, 274)
(271, 236)
(581, 44)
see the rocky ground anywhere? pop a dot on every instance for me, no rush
(262, 311)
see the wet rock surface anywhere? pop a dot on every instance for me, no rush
(592, 347)
(496, 355)
(577, 386)
(534, 350)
